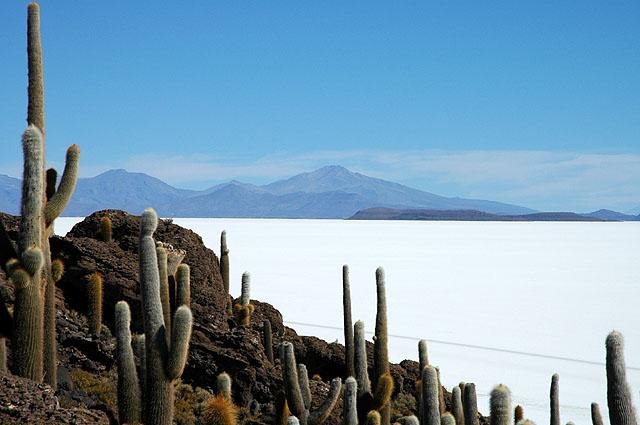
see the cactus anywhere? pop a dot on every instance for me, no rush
(461, 386)
(596, 417)
(430, 398)
(500, 405)
(164, 361)
(296, 387)
(348, 325)
(139, 348)
(526, 422)
(380, 349)
(282, 410)
(554, 400)
(441, 402)
(518, 414)
(223, 384)
(292, 420)
(373, 418)
(165, 298)
(368, 400)
(456, 405)
(219, 410)
(423, 360)
(224, 262)
(106, 229)
(128, 384)
(350, 402)
(470, 404)
(267, 340)
(242, 308)
(619, 399)
(409, 420)
(183, 286)
(94, 289)
(447, 419)
(3, 355)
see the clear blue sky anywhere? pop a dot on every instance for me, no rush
(540, 98)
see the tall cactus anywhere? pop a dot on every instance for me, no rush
(94, 290)
(423, 360)
(456, 405)
(430, 400)
(183, 286)
(380, 348)
(441, 402)
(554, 400)
(106, 232)
(596, 417)
(296, 387)
(500, 405)
(267, 340)
(33, 324)
(619, 399)
(224, 263)
(164, 361)
(128, 384)
(350, 402)
(470, 404)
(368, 400)
(348, 325)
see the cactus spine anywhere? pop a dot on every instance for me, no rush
(164, 361)
(470, 404)
(267, 340)
(95, 302)
(298, 394)
(596, 417)
(456, 405)
(619, 399)
(128, 385)
(500, 405)
(430, 399)
(348, 325)
(380, 349)
(350, 400)
(106, 229)
(554, 400)
(224, 263)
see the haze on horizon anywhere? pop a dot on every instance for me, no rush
(534, 103)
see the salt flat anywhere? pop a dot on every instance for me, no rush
(551, 288)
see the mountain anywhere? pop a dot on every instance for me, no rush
(463, 215)
(612, 216)
(634, 211)
(329, 192)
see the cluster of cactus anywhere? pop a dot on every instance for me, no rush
(243, 308)
(165, 346)
(30, 269)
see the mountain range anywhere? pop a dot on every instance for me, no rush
(329, 192)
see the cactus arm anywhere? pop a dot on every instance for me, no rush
(348, 325)
(470, 404)
(183, 283)
(430, 399)
(349, 404)
(60, 199)
(360, 359)
(128, 385)
(245, 296)
(35, 109)
(322, 413)
(179, 348)
(291, 382)
(423, 354)
(161, 252)
(596, 417)
(380, 349)
(267, 340)
(303, 379)
(32, 189)
(384, 390)
(456, 405)
(619, 398)
(500, 405)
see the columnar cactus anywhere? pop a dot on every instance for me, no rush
(106, 232)
(430, 399)
(220, 409)
(554, 400)
(183, 286)
(242, 308)
(128, 384)
(380, 349)
(298, 394)
(165, 361)
(139, 348)
(94, 291)
(267, 340)
(350, 402)
(368, 400)
(223, 385)
(518, 414)
(619, 399)
(373, 418)
(348, 325)
(447, 419)
(224, 263)
(165, 296)
(596, 417)
(456, 405)
(423, 360)
(470, 404)
(441, 402)
(3, 356)
(500, 405)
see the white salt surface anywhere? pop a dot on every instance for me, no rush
(554, 289)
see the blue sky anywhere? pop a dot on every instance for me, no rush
(531, 102)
